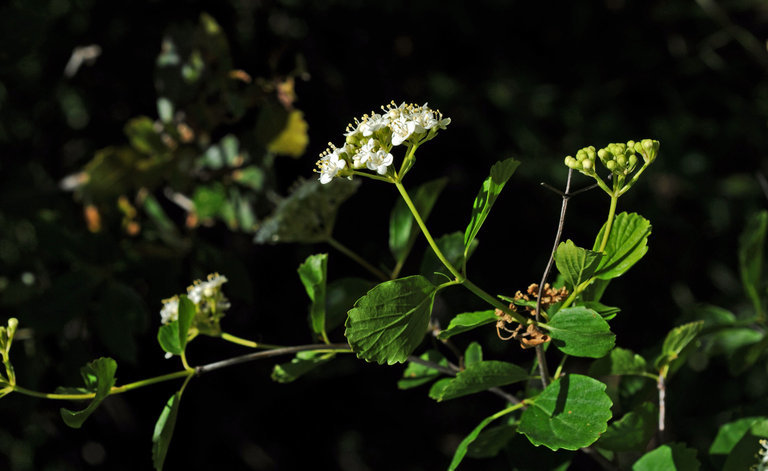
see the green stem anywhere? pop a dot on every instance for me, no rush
(357, 258)
(559, 369)
(609, 223)
(459, 277)
(248, 343)
(372, 176)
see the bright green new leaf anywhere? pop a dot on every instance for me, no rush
(627, 243)
(99, 377)
(673, 457)
(403, 229)
(161, 438)
(467, 321)
(300, 365)
(575, 263)
(633, 431)
(417, 374)
(477, 377)
(570, 413)
(473, 354)
(752, 258)
(580, 332)
(461, 450)
(677, 339)
(172, 336)
(620, 362)
(387, 324)
(452, 246)
(313, 274)
(492, 186)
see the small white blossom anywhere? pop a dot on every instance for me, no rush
(379, 161)
(330, 165)
(373, 123)
(402, 128)
(170, 310)
(762, 465)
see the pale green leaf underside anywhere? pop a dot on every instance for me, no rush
(313, 276)
(301, 364)
(387, 324)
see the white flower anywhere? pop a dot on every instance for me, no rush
(205, 289)
(379, 161)
(170, 310)
(402, 128)
(373, 123)
(330, 165)
(364, 153)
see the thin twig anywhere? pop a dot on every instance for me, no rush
(540, 357)
(334, 347)
(661, 385)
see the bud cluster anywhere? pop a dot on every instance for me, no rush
(369, 141)
(210, 304)
(621, 159)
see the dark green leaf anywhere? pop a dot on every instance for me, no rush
(673, 457)
(468, 321)
(172, 336)
(403, 229)
(313, 274)
(580, 332)
(452, 246)
(492, 186)
(677, 339)
(738, 442)
(478, 377)
(491, 441)
(303, 363)
(606, 312)
(575, 263)
(620, 362)
(570, 413)
(461, 450)
(417, 374)
(340, 297)
(594, 292)
(99, 377)
(387, 324)
(307, 215)
(752, 258)
(161, 438)
(627, 243)
(633, 431)
(473, 354)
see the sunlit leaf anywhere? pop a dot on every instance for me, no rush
(575, 263)
(581, 332)
(677, 339)
(479, 376)
(627, 243)
(161, 438)
(620, 362)
(570, 413)
(674, 456)
(293, 139)
(467, 321)
(99, 377)
(313, 275)
(473, 354)
(492, 186)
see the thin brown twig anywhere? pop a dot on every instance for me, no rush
(540, 356)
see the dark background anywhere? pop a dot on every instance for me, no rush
(530, 80)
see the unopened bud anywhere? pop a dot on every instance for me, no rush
(611, 165)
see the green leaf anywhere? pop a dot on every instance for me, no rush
(620, 362)
(303, 363)
(594, 292)
(627, 244)
(252, 177)
(570, 413)
(308, 214)
(752, 258)
(99, 377)
(575, 263)
(473, 354)
(673, 457)
(209, 200)
(492, 186)
(452, 246)
(491, 441)
(172, 336)
(633, 431)
(606, 312)
(738, 442)
(313, 274)
(477, 377)
(417, 374)
(744, 357)
(580, 332)
(403, 229)
(729, 434)
(677, 339)
(387, 324)
(461, 450)
(340, 296)
(467, 321)
(161, 438)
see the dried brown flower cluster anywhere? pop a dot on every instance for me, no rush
(530, 336)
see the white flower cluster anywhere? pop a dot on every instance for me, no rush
(762, 465)
(206, 295)
(370, 140)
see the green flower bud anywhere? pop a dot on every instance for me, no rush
(604, 155)
(570, 162)
(586, 165)
(621, 161)
(632, 161)
(611, 165)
